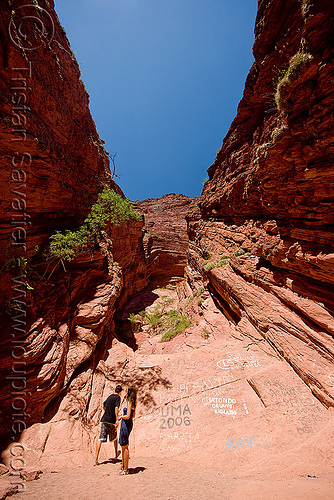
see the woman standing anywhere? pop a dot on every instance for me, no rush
(126, 428)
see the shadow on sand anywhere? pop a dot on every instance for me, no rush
(135, 470)
(111, 461)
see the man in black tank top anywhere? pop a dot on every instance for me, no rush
(109, 422)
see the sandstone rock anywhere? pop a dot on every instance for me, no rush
(249, 384)
(165, 238)
(31, 475)
(55, 165)
(3, 469)
(52, 141)
(8, 491)
(266, 210)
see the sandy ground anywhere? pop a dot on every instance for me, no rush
(167, 479)
(271, 440)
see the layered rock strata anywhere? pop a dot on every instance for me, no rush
(69, 323)
(53, 162)
(267, 208)
(260, 242)
(165, 238)
(57, 317)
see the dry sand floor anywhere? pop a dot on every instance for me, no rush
(167, 479)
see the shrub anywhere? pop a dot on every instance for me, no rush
(304, 7)
(277, 132)
(155, 320)
(212, 265)
(64, 245)
(206, 255)
(132, 318)
(296, 64)
(192, 209)
(198, 292)
(205, 333)
(169, 324)
(239, 252)
(109, 207)
(174, 324)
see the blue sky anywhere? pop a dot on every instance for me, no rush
(164, 78)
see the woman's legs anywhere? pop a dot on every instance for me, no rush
(126, 456)
(123, 450)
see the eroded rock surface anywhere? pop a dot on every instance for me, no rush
(248, 385)
(53, 162)
(267, 208)
(59, 320)
(166, 238)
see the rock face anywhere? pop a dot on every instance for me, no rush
(53, 165)
(166, 238)
(268, 204)
(69, 323)
(63, 324)
(255, 294)
(53, 161)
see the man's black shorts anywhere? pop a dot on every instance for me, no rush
(108, 430)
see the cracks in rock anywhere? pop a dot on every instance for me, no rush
(276, 349)
(90, 392)
(127, 361)
(198, 392)
(307, 337)
(257, 343)
(45, 441)
(248, 345)
(255, 389)
(211, 324)
(223, 306)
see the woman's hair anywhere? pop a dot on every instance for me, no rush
(132, 396)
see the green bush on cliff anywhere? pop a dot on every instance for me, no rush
(213, 265)
(167, 323)
(174, 323)
(296, 65)
(109, 207)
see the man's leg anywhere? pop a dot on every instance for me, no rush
(116, 448)
(98, 447)
(102, 438)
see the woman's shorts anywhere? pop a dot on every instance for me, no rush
(108, 430)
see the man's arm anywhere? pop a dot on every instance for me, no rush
(117, 405)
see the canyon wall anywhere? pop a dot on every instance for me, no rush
(53, 162)
(266, 219)
(56, 317)
(165, 238)
(260, 241)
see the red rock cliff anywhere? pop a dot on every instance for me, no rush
(267, 208)
(53, 164)
(165, 237)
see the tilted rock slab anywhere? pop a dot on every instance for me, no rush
(266, 212)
